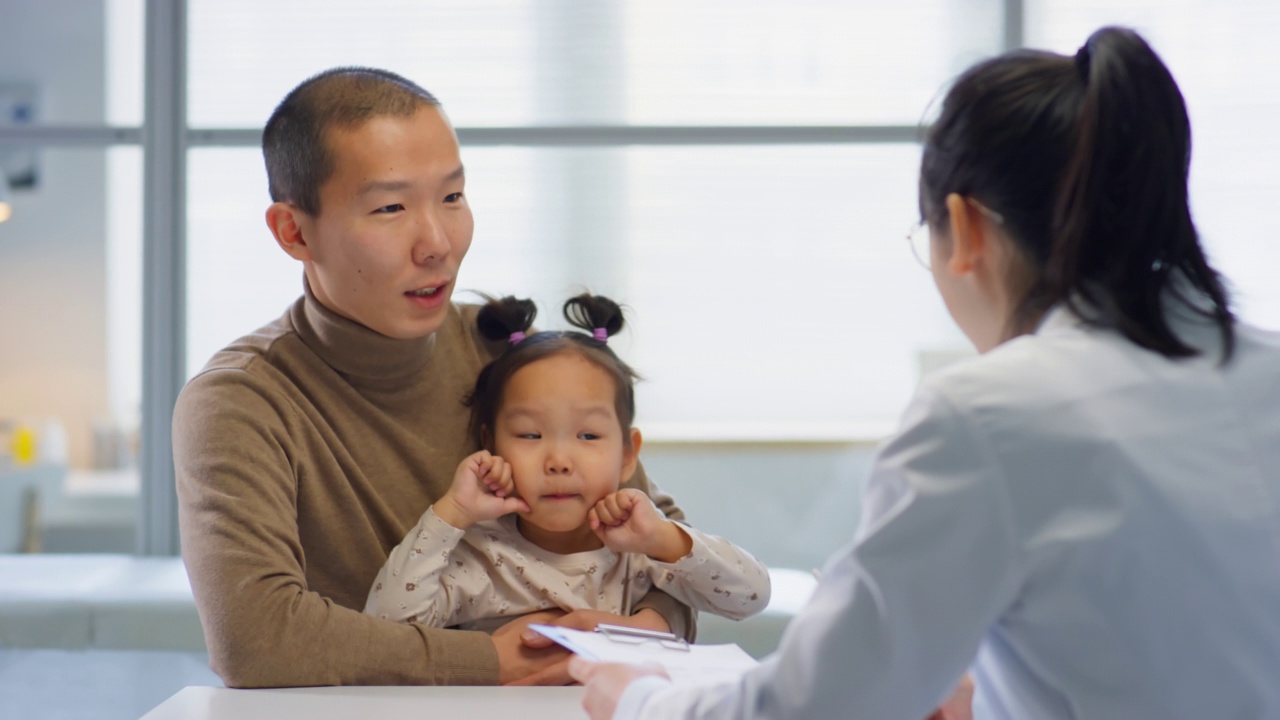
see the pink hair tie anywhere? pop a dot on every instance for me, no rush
(600, 334)
(516, 337)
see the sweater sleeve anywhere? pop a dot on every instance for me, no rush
(679, 616)
(411, 584)
(235, 465)
(716, 576)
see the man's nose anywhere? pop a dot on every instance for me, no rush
(432, 241)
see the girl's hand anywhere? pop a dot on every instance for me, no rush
(482, 489)
(627, 521)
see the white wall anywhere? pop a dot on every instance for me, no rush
(52, 252)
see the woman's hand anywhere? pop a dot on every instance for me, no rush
(628, 521)
(606, 682)
(960, 705)
(483, 489)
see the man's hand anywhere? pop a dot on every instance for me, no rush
(483, 489)
(522, 664)
(606, 682)
(558, 672)
(628, 521)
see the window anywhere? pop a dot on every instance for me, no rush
(740, 174)
(736, 260)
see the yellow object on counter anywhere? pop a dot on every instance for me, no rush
(23, 445)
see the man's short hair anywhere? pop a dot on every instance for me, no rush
(293, 142)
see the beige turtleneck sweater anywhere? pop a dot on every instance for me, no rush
(304, 452)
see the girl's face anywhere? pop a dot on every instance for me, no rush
(559, 429)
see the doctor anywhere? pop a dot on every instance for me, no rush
(1092, 506)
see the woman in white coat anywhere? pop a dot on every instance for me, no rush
(1091, 507)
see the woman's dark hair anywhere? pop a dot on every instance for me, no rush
(509, 319)
(1086, 160)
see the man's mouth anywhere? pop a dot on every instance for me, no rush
(425, 292)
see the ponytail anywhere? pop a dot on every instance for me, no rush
(1086, 159)
(1123, 228)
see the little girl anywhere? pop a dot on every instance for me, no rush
(537, 519)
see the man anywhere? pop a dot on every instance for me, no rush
(306, 450)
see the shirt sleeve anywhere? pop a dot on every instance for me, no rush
(411, 584)
(237, 506)
(716, 576)
(681, 618)
(897, 616)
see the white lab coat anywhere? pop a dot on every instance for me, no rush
(1099, 526)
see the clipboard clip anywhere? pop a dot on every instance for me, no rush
(630, 635)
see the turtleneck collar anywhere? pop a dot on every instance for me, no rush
(353, 349)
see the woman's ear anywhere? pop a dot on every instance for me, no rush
(286, 222)
(968, 241)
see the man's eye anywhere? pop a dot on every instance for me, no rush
(388, 209)
(453, 197)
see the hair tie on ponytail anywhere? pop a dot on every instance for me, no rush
(1084, 59)
(600, 334)
(516, 337)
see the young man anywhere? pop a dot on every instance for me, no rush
(306, 450)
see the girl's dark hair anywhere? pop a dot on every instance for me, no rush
(1086, 160)
(502, 319)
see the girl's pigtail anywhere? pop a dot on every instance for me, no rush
(596, 314)
(506, 319)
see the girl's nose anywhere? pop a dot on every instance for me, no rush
(557, 463)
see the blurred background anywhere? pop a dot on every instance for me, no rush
(740, 174)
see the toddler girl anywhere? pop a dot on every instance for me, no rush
(536, 520)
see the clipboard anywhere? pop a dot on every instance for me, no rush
(624, 634)
(685, 663)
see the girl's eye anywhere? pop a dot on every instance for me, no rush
(388, 209)
(453, 197)
(529, 436)
(588, 436)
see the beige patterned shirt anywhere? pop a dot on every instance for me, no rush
(480, 578)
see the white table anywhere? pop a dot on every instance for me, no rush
(373, 703)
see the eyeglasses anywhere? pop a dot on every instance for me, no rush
(918, 235)
(918, 240)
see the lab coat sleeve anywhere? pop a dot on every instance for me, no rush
(899, 614)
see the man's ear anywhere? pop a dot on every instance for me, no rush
(968, 241)
(631, 455)
(286, 222)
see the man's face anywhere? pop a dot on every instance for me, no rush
(393, 225)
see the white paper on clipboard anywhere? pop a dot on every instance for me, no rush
(691, 664)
